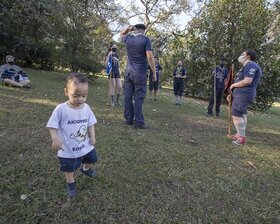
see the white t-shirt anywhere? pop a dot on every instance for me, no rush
(72, 125)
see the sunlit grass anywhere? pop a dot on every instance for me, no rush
(182, 170)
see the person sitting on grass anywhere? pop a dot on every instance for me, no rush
(12, 75)
(71, 126)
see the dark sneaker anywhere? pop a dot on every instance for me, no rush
(155, 99)
(239, 141)
(71, 189)
(129, 122)
(90, 172)
(143, 126)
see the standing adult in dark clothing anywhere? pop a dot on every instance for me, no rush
(153, 85)
(139, 55)
(221, 74)
(244, 91)
(179, 76)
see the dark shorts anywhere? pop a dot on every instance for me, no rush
(153, 85)
(72, 164)
(240, 105)
(116, 75)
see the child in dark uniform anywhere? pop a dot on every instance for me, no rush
(153, 85)
(179, 76)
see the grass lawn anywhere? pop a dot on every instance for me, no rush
(182, 170)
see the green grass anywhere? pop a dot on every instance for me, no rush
(182, 170)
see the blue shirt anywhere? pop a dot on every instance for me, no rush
(137, 63)
(115, 63)
(252, 70)
(179, 71)
(221, 75)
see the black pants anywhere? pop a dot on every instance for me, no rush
(219, 97)
(178, 86)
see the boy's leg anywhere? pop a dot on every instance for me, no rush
(71, 185)
(68, 166)
(69, 177)
(87, 164)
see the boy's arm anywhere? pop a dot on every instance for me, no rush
(91, 135)
(56, 142)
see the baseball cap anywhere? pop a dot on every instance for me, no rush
(140, 26)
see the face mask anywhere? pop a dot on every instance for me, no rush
(114, 49)
(11, 62)
(241, 58)
(222, 65)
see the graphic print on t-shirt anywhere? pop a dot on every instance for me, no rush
(81, 134)
(220, 76)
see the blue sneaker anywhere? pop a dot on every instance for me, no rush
(71, 189)
(90, 172)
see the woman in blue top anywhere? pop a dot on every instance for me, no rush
(115, 75)
(244, 91)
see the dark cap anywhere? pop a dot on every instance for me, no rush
(223, 59)
(140, 26)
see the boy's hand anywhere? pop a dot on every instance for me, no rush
(92, 140)
(56, 144)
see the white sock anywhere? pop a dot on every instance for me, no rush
(85, 169)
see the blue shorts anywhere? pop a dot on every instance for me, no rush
(72, 164)
(240, 105)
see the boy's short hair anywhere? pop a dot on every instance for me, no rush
(76, 78)
(252, 54)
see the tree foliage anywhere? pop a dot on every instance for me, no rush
(56, 33)
(226, 28)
